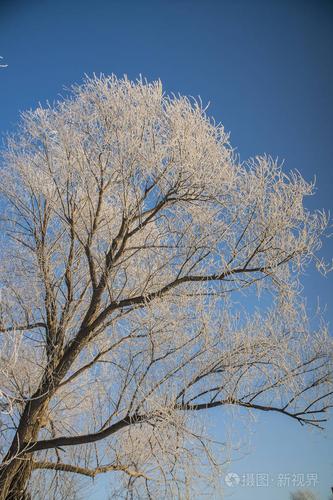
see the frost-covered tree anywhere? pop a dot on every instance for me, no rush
(303, 495)
(146, 276)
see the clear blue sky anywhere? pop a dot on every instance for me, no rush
(265, 66)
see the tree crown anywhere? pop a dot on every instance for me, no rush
(148, 274)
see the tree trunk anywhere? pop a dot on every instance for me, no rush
(15, 472)
(16, 489)
(14, 478)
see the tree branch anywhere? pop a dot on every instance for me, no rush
(58, 466)
(21, 328)
(232, 401)
(142, 299)
(83, 438)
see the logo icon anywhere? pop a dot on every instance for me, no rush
(232, 479)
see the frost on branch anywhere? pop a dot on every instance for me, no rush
(147, 277)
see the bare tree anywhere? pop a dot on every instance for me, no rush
(303, 495)
(146, 275)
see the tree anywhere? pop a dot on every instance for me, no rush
(303, 495)
(147, 275)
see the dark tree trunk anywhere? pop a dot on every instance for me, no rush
(15, 472)
(18, 488)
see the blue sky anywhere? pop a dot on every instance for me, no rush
(266, 68)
